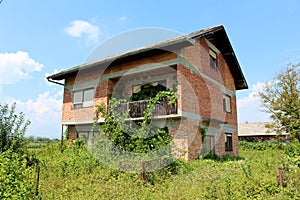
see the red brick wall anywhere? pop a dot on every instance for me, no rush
(208, 93)
(197, 95)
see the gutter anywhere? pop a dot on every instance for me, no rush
(52, 81)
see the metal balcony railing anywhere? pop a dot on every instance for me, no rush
(137, 108)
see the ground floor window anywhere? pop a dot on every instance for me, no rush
(228, 141)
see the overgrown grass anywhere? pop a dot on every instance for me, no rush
(76, 174)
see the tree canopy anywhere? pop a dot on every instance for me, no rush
(12, 128)
(281, 98)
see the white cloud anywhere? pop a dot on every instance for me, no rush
(44, 113)
(252, 97)
(79, 28)
(249, 107)
(16, 66)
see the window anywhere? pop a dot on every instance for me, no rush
(227, 103)
(213, 59)
(228, 141)
(83, 98)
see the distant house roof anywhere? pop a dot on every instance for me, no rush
(216, 35)
(254, 129)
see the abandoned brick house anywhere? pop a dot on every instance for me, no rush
(204, 70)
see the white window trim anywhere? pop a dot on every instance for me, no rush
(227, 103)
(82, 103)
(226, 136)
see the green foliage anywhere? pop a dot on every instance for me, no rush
(161, 95)
(12, 129)
(281, 98)
(293, 153)
(16, 163)
(76, 174)
(203, 131)
(16, 176)
(261, 146)
(121, 139)
(224, 158)
(147, 91)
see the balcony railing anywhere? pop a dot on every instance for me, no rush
(137, 108)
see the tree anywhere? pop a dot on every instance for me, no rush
(12, 129)
(281, 98)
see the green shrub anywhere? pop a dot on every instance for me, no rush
(261, 146)
(16, 176)
(77, 174)
(12, 129)
(293, 153)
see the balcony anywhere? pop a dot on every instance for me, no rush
(137, 108)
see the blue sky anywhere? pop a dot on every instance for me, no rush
(39, 37)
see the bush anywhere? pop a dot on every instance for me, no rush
(292, 152)
(12, 129)
(261, 146)
(16, 181)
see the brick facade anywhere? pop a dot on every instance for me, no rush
(201, 90)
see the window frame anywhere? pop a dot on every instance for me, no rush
(213, 53)
(213, 59)
(227, 103)
(83, 103)
(228, 141)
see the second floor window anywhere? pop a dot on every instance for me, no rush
(227, 103)
(213, 59)
(83, 98)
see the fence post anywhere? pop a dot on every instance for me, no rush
(38, 168)
(280, 177)
(62, 139)
(120, 166)
(143, 172)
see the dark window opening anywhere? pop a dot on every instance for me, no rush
(228, 141)
(213, 59)
(147, 91)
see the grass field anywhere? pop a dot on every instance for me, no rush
(75, 174)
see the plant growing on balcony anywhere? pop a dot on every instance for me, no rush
(119, 136)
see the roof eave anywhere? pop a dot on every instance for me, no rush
(172, 44)
(169, 45)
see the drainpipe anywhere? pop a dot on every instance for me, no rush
(62, 126)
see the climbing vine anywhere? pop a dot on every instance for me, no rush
(139, 137)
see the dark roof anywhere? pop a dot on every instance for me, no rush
(216, 35)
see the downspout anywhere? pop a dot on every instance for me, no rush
(62, 127)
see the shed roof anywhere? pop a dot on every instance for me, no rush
(216, 35)
(255, 129)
